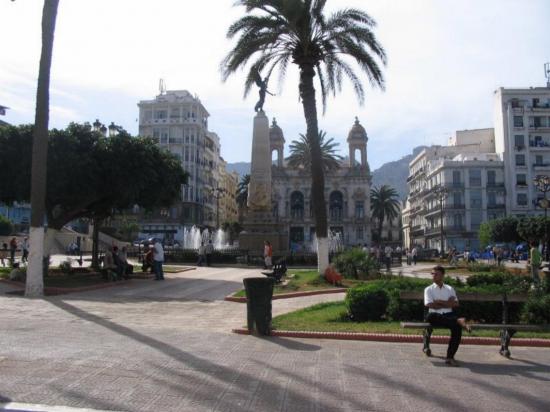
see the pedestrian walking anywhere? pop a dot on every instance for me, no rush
(209, 250)
(414, 254)
(25, 249)
(13, 249)
(202, 255)
(535, 260)
(409, 256)
(268, 254)
(158, 259)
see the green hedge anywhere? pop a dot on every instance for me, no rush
(366, 302)
(360, 299)
(537, 310)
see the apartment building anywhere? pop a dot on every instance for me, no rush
(453, 189)
(522, 138)
(178, 121)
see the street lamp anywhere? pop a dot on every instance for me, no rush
(441, 194)
(542, 183)
(216, 194)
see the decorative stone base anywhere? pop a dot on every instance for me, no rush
(253, 237)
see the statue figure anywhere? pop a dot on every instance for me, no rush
(263, 90)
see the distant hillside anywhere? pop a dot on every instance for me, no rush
(395, 173)
(242, 168)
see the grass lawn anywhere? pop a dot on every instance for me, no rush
(331, 317)
(304, 280)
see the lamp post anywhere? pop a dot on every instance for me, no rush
(441, 194)
(542, 183)
(216, 194)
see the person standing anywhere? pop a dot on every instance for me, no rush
(441, 300)
(202, 254)
(13, 249)
(209, 250)
(25, 249)
(535, 260)
(158, 259)
(414, 254)
(387, 257)
(268, 254)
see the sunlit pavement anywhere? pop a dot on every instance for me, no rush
(167, 346)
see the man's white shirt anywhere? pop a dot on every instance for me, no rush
(434, 292)
(159, 252)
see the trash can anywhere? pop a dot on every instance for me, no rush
(259, 292)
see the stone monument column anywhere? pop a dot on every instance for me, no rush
(259, 224)
(259, 190)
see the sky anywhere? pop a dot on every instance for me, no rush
(445, 59)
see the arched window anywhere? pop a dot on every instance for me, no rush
(297, 205)
(336, 206)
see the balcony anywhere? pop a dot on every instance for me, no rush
(495, 185)
(454, 206)
(496, 206)
(541, 166)
(539, 145)
(454, 185)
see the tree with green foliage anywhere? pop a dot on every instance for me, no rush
(241, 196)
(485, 233)
(90, 176)
(300, 153)
(533, 228)
(275, 33)
(5, 226)
(384, 203)
(504, 229)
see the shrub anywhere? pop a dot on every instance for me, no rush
(481, 267)
(367, 302)
(500, 282)
(356, 264)
(537, 309)
(66, 267)
(5, 226)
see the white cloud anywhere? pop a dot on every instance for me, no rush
(445, 60)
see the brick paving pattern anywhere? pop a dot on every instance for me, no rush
(167, 346)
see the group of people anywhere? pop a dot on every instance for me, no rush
(116, 264)
(153, 258)
(8, 251)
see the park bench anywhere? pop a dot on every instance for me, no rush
(277, 272)
(507, 330)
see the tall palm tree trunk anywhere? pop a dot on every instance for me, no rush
(35, 281)
(307, 94)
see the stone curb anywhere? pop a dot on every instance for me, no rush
(53, 291)
(389, 337)
(241, 299)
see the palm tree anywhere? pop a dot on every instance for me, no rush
(384, 205)
(300, 153)
(277, 32)
(241, 196)
(35, 282)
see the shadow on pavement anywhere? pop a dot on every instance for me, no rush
(187, 360)
(291, 344)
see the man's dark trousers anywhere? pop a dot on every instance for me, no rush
(448, 320)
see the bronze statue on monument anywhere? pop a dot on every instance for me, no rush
(262, 84)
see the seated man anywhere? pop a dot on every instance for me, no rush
(441, 300)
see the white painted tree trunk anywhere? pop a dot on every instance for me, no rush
(34, 285)
(322, 254)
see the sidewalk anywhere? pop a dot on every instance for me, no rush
(167, 346)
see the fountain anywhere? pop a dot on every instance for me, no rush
(193, 237)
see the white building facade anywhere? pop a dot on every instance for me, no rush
(178, 121)
(522, 137)
(347, 193)
(473, 177)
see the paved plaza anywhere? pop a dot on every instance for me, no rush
(168, 346)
